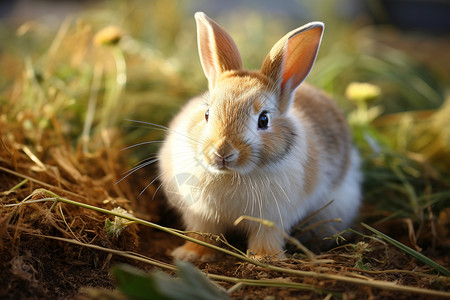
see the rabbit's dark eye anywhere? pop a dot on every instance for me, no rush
(207, 115)
(263, 120)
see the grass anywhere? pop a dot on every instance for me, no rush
(37, 196)
(410, 251)
(65, 96)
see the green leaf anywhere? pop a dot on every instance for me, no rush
(135, 283)
(412, 252)
(190, 284)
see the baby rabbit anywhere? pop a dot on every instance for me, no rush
(259, 144)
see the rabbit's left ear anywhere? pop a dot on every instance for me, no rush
(218, 52)
(291, 59)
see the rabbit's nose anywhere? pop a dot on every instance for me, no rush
(226, 157)
(222, 160)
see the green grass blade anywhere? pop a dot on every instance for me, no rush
(412, 252)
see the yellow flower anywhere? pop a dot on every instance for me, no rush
(362, 92)
(110, 35)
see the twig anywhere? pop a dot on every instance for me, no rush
(309, 217)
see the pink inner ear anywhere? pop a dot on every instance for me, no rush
(300, 54)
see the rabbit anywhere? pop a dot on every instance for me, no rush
(258, 144)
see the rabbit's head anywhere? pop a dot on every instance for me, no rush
(244, 123)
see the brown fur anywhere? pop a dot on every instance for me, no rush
(279, 141)
(247, 75)
(311, 167)
(230, 114)
(328, 126)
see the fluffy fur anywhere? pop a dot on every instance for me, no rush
(217, 164)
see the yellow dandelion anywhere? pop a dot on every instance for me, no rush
(108, 36)
(362, 91)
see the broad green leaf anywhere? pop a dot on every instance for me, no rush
(135, 283)
(190, 284)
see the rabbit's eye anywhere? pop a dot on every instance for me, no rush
(263, 120)
(207, 115)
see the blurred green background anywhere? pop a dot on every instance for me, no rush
(78, 69)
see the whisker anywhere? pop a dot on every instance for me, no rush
(129, 172)
(156, 191)
(236, 186)
(140, 164)
(276, 203)
(261, 205)
(156, 178)
(149, 123)
(284, 192)
(161, 127)
(140, 144)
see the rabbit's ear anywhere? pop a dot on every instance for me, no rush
(218, 52)
(291, 59)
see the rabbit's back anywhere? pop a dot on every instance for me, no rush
(327, 127)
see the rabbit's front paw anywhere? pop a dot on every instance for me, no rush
(194, 252)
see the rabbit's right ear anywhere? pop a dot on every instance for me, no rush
(291, 60)
(218, 52)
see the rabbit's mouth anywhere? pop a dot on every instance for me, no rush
(222, 163)
(229, 166)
